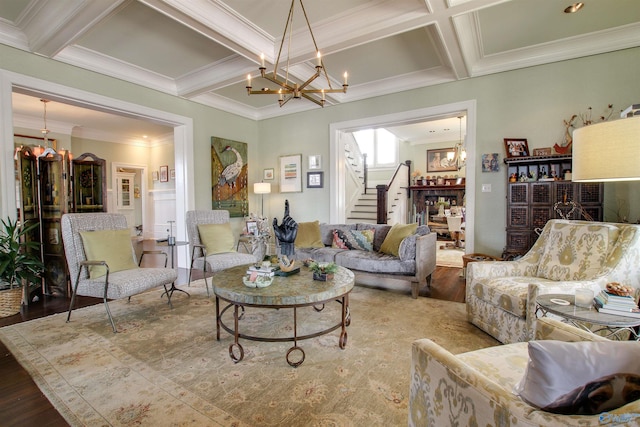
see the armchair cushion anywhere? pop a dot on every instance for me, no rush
(217, 238)
(111, 246)
(575, 252)
(309, 235)
(581, 377)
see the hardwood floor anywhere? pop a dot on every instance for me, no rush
(21, 402)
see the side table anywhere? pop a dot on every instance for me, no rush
(172, 248)
(563, 305)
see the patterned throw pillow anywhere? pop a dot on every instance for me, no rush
(353, 239)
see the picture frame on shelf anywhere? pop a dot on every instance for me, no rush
(315, 162)
(315, 179)
(268, 174)
(291, 173)
(438, 161)
(539, 152)
(516, 147)
(164, 173)
(252, 227)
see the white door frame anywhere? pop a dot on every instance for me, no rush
(337, 130)
(143, 187)
(182, 138)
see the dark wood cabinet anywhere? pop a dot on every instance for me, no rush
(531, 203)
(425, 198)
(89, 183)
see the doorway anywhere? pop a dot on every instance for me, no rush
(337, 135)
(129, 184)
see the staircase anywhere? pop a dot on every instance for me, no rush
(364, 209)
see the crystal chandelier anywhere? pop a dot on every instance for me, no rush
(289, 89)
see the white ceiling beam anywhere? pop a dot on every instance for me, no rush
(51, 25)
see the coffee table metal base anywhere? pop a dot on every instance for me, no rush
(236, 351)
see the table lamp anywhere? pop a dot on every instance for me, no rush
(262, 188)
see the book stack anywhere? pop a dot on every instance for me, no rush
(260, 271)
(616, 304)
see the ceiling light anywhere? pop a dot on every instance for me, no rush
(574, 7)
(289, 89)
(460, 151)
(45, 131)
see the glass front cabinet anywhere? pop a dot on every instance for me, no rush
(125, 183)
(89, 183)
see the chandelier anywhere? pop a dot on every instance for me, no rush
(458, 156)
(289, 89)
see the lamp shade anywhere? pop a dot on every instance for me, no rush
(262, 188)
(607, 151)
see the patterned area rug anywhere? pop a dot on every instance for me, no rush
(448, 257)
(165, 366)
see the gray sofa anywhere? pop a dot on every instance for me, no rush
(414, 266)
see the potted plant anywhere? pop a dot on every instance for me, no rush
(323, 272)
(20, 264)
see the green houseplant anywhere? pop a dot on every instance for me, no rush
(20, 264)
(323, 272)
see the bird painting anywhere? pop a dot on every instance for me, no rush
(231, 172)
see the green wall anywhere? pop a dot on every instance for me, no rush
(528, 103)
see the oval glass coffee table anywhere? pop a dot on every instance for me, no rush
(295, 291)
(563, 305)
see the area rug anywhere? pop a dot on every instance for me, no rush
(165, 367)
(448, 257)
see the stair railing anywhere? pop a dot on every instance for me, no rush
(393, 198)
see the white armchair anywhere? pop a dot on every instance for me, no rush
(566, 256)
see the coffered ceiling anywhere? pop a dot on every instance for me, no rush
(203, 50)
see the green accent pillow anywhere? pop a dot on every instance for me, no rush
(217, 238)
(309, 235)
(396, 235)
(112, 246)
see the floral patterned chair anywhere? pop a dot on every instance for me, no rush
(476, 388)
(567, 255)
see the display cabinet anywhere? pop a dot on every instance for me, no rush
(125, 183)
(54, 201)
(532, 200)
(89, 177)
(425, 198)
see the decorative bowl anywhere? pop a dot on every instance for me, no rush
(260, 282)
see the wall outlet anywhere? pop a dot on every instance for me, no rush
(486, 188)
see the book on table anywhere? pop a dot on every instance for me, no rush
(633, 313)
(606, 300)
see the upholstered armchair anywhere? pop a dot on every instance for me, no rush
(212, 243)
(566, 256)
(477, 387)
(102, 262)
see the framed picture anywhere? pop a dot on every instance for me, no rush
(490, 162)
(315, 162)
(291, 174)
(438, 161)
(172, 174)
(252, 227)
(542, 151)
(516, 147)
(314, 179)
(155, 176)
(268, 174)
(164, 173)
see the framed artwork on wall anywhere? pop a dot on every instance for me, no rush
(164, 173)
(314, 179)
(291, 173)
(315, 162)
(172, 174)
(490, 162)
(229, 169)
(516, 147)
(437, 160)
(155, 176)
(268, 174)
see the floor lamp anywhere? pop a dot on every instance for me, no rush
(262, 188)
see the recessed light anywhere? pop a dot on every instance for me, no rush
(574, 7)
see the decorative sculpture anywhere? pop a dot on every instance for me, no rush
(286, 232)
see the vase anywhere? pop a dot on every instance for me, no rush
(441, 210)
(323, 277)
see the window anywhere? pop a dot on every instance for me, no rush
(380, 146)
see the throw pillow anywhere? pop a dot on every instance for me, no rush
(217, 238)
(309, 235)
(398, 232)
(112, 246)
(581, 377)
(353, 239)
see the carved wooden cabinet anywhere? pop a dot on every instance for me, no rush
(531, 203)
